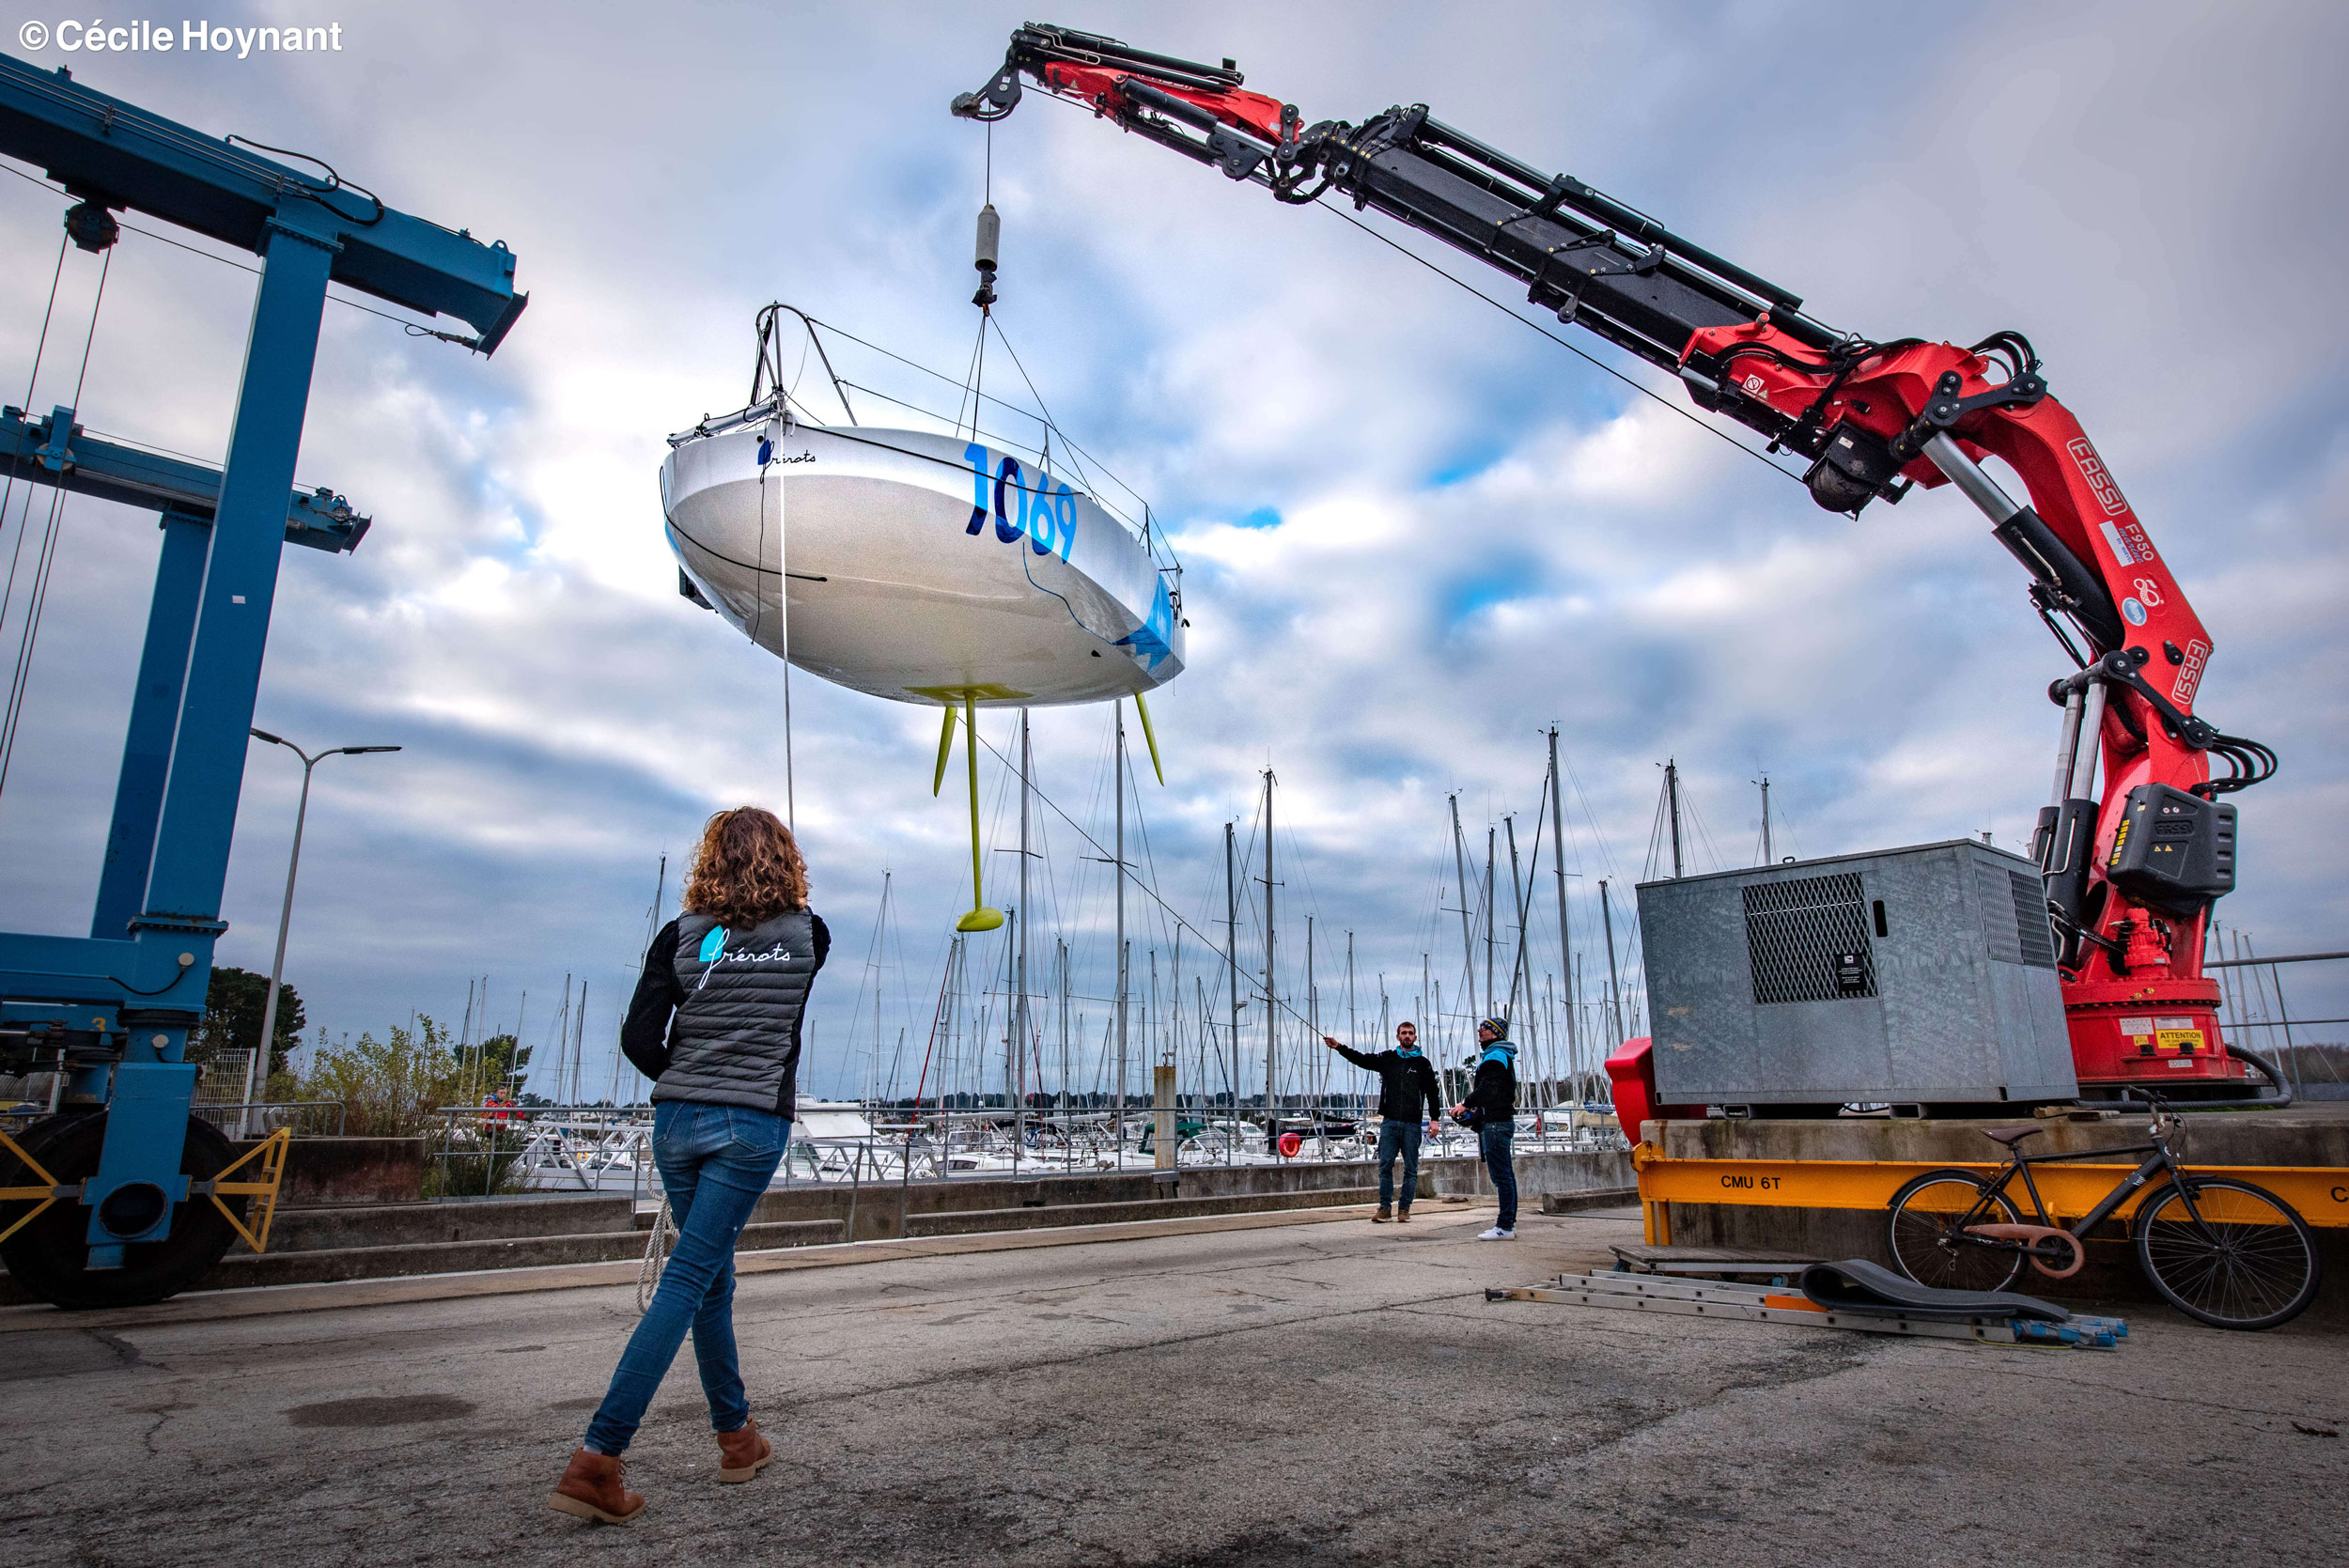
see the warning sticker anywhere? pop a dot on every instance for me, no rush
(2177, 1040)
(2137, 1026)
(2173, 1023)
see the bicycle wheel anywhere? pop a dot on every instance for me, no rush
(1929, 1247)
(2249, 1263)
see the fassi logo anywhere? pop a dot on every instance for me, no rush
(2190, 674)
(2099, 478)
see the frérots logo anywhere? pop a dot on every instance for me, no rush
(2099, 478)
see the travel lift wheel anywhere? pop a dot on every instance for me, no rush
(50, 1257)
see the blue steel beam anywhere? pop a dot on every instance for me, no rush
(154, 715)
(102, 149)
(86, 466)
(224, 679)
(307, 230)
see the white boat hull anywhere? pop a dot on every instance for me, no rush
(919, 568)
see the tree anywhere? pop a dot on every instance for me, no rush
(500, 1061)
(233, 1004)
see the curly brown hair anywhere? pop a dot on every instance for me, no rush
(747, 869)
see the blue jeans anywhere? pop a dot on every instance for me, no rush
(1395, 1135)
(715, 1163)
(1494, 1140)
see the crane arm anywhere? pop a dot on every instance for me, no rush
(1875, 418)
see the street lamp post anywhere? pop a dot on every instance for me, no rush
(256, 1071)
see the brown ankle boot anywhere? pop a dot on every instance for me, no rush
(1383, 1215)
(742, 1454)
(592, 1489)
(1403, 1215)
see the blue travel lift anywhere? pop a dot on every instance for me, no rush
(123, 1197)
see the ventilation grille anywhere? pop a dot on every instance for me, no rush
(2035, 937)
(1807, 940)
(2014, 916)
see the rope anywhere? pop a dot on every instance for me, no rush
(656, 1257)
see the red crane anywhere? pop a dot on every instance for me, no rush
(2131, 870)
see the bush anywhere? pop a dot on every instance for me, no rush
(396, 1087)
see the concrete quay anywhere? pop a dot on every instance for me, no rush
(1307, 1395)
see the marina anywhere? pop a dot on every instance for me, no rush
(1291, 921)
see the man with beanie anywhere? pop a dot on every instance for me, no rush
(1406, 1080)
(1492, 1108)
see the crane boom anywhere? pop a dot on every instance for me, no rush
(2132, 870)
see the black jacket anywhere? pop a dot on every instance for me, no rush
(1492, 1100)
(649, 1034)
(1404, 1082)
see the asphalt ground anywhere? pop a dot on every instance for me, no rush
(1336, 1393)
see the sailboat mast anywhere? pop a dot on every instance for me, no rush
(1231, 953)
(1614, 989)
(1671, 797)
(1459, 864)
(1313, 996)
(1558, 857)
(1120, 851)
(1270, 1016)
(1016, 1079)
(1490, 911)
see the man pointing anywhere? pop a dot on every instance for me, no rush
(1407, 1081)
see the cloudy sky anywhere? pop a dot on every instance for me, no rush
(1416, 533)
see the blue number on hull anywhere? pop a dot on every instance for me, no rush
(975, 456)
(1005, 529)
(1047, 514)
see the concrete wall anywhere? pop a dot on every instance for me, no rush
(351, 1170)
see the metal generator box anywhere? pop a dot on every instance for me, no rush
(1914, 976)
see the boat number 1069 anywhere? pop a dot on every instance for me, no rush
(1045, 515)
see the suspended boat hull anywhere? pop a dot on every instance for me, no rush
(917, 566)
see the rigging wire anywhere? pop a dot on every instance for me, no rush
(1168, 910)
(37, 599)
(1504, 306)
(7, 490)
(964, 383)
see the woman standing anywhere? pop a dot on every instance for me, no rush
(715, 1022)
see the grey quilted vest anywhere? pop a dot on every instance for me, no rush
(736, 1037)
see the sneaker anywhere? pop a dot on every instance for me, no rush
(1383, 1215)
(1497, 1233)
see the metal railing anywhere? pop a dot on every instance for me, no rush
(259, 1119)
(2253, 996)
(485, 1151)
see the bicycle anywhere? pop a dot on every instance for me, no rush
(2219, 1249)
